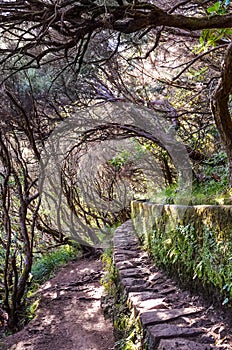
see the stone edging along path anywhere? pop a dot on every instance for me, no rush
(171, 318)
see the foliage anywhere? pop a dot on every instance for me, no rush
(197, 257)
(213, 186)
(211, 38)
(44, 266)
(219, 7)
(210, 186)
(32, 308)
(119, 160)
(127, 326)
(166, 195)
(110, 276)
(131, 327)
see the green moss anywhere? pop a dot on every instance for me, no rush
(127, 326)
(32, 308)
(110, 277)
(196, 257)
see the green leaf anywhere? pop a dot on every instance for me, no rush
(201, 40)
(215, 8)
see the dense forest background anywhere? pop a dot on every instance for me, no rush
(131, 85)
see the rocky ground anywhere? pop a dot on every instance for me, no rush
(69, 315)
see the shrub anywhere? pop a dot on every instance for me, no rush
(44, 266)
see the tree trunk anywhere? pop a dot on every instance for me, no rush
(221, 109)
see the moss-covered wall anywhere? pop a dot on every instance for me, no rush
(149, 216)
(192, 242)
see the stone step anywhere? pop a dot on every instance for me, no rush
(156, 316)
(166, 331)
(183, 344)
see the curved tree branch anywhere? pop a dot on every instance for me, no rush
(62, 26)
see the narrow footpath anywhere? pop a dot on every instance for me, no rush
(69, 315)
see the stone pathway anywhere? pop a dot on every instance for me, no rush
(173, 319)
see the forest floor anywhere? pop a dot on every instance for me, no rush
(69, 316)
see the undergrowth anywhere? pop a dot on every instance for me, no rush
(45, 265)
(198, 259)
(209, 192)
(127, 326)
(209, 184)
(44, 268)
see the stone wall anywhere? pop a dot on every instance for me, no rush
(192, 243)
(163, 316)
(148, 217)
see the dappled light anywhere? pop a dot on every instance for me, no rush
(69, 312)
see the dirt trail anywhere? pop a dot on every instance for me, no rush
(70, 315)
